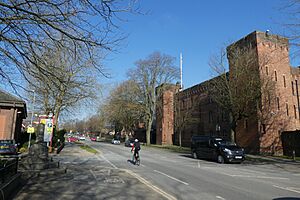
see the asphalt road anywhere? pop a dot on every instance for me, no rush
(179, 176)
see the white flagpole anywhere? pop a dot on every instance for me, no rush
(181, 85)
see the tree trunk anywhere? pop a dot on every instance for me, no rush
(232, 135)
(232, 128)
(180, 138)
(148, 132)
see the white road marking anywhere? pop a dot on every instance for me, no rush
(248, 170)
(147, 183)
(171, 177)
(296, 174)
(287, 188)
(253, 176)
(93, 174)
(219, 197)
(114, 166)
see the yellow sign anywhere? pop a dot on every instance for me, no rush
(30, 130)
(43, 121)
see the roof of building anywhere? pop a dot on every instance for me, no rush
(9, 100)
(6, 97)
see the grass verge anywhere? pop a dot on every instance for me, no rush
(88, 149)
(287, 157)
(172, 148)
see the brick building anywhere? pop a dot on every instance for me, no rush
(12, 112)
(165, 111)
(194, 112)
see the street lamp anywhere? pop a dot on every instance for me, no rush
(32, 112)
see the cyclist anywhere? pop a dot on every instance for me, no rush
(136, 147)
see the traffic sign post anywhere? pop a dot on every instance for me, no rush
(30, 129)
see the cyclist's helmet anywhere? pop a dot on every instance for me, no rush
(136, 140)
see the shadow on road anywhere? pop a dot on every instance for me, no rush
(131, 161)
(287, 198)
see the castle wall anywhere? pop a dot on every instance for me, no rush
(278, 110)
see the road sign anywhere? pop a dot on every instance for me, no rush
(48, 130)
(30, 130)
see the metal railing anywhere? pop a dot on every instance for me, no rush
(8, 168)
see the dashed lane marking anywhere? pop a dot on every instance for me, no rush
(288, 189)
(219, 197)
(171, 177)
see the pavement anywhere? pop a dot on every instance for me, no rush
(88, 176)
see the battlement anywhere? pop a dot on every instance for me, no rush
(257, 37)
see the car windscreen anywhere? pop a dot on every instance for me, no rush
(6, 142)
(222, 142)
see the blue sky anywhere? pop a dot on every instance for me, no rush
(196, 28)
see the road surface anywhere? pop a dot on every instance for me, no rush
(179, 176)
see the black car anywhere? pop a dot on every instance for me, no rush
(129, 142)
(215, 148)
(8, 147)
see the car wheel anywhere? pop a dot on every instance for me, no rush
(220, 159)
(194, 154)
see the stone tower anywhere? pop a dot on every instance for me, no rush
(165, 113)
(278, 109)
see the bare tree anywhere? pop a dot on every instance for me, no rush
(291, 25)
(26, 27)
(124, 106)
(95, 123)
(74, 81)
(149, 73)
(185, 117)
(240, 91)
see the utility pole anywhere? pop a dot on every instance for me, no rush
(31, 120)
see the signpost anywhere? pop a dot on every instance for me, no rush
(48, 130)
(30, 129)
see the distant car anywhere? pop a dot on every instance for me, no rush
(115, 141)
(129, 142)
(93, 138)
(81, 137)
(8, 147)
(72, 139)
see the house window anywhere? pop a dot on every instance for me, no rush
(263, 128)
(246, 123)
(287, 109)
(200, 112)
(275, 73)
(284, 83)
(295, 112)
(278, 105)
(293, 91)
(210, 118)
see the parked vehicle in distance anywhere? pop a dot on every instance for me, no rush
(8, 147)
(216, 148)
(94, 139)
(129, 142)
(81, 137)
(72, 139)
(115, 141)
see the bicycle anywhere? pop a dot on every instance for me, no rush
(136, 159)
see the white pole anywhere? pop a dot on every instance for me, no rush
(181, 86)
(32, 113)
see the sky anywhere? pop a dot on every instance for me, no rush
(196, 28)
